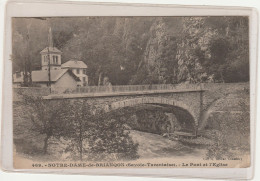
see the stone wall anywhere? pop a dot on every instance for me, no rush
(214, 91)
(223, 98)
(35, 91)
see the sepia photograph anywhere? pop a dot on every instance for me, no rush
(131, 92)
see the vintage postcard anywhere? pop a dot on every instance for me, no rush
(131, 92)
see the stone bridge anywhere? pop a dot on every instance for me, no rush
(186, 97)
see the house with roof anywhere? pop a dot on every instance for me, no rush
(18, 79)
(54, 74)
(79, 68)
(62, 78)
(59, 79)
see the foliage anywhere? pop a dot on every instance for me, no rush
(220, 149)
(94, 135)
(46, 116)
(110, 140)
(76, 129)
(140, 50)
(233, 133)
(89, 134)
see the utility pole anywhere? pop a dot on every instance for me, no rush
(49, 58)
(49, 69)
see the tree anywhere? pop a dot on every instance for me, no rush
(140, 50)
(190, 52)
(217, 64)
(110, 139)
(169, 61)
(77, 128)
(29, 38)
(95, 135)
(46, 116)
(228, 57)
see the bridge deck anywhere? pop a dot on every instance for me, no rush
(113, 94)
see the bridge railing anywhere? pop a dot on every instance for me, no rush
(126, 88)
(40, 91)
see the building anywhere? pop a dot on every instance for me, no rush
(71, 74)
(59, 79)
(51, 58)
(52, 55)
(79, 68)
(17, 79)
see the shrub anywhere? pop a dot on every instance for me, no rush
(46, 116)
(110, 140)
(95, 135)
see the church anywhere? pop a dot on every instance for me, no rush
(70, 74)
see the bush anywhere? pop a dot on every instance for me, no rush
(46, 116)
(110, 140)
(220, 149)
(96, 135)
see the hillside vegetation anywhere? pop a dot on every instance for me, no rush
(140, 50)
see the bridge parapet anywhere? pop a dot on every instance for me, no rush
(127, 88)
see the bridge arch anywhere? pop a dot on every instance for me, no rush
(151, 100)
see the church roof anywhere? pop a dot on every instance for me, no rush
(51, 50)
(74, 64)
(42, 75)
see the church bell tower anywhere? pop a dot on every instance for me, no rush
(50, 56)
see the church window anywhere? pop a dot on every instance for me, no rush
(46, 58)
(54, 59)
